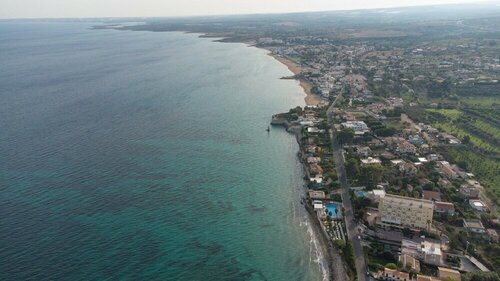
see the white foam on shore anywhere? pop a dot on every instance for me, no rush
(315, 249)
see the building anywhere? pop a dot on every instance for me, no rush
(426, 278)
(363, 151)
(313, 160)
(406, 147)
(375, 194)
(315, 169)
(357, 126)
(447, 170)
(409, 262)
(316, 194)
(399, 211)
(370, 161)
(432, 195)
(444, 208)
(371, 216)
(449, 274)
(394, 275)
(407, 169)
(470, 192)
(478, 205)
(493, 235)
(431, 252)
(474, 226)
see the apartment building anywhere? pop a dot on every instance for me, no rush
(399, 211)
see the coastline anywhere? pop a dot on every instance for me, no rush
(310, 98)
(334, 267)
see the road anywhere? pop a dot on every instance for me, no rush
(352, 232)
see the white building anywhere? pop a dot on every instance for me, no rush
(357, 126)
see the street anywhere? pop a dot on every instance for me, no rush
(352, 233)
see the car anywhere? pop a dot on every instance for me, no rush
(359, 237)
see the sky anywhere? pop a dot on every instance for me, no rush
(174, 8)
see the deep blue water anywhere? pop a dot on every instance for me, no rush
(143, 156)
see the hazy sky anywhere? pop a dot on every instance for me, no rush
(139, 8)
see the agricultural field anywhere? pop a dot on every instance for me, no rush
(481, 127)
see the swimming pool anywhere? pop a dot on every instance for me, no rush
(330, 207)
(360, 193)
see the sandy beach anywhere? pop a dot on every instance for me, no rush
(311, 99)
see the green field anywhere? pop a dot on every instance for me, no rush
(478, 126)
(451, 114)
(486, 169)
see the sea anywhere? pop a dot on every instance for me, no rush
(128, 155)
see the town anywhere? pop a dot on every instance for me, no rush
(416, 215)
(401, 150)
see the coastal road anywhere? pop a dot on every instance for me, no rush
(352, 232)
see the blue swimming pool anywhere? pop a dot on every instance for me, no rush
(331, 210)
(360, 193)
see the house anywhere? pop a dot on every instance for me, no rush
(446, 169)
(319, 208)
(409, 262)
(493, 235)
(394, 275)
(375, 194)
(312, 149)
(406, 147)
(449, 274)
(370, 161)
(431, 252)
(432, 157)
(314, 130)
(469, 192)
(444, 208)
(425, 148)
(474, 226)
(432, 195)
(416, 140)
(315, 169)
(396, 162)
(387, 155)
(421, 277)
(478, 205)
(407, 169)
(318, 179)
(316, 194)
(363, 151)
(370, 216)
(313, 160)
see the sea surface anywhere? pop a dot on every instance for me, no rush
(143, 156)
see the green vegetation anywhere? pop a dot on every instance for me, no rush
(347, 252)
(482, 276)
(486, 169)
(452, 114)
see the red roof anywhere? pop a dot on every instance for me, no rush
(432, 195)
(445, 205)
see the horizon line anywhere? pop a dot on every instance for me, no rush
(465, 2)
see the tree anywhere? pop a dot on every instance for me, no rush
(407, 232)
(371, 174)
(391, 266)
(482, 276)
(466, 139)
(345, 136)
(352, 167)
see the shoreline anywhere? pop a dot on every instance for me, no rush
(310, 98)
(334, 266)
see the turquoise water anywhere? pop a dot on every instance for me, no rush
(360, 193)
(330, 207)
(144, 156)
